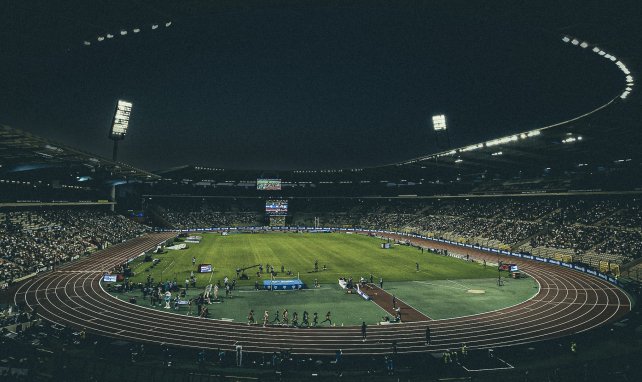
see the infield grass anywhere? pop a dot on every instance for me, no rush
(344, 255)
(439, 289)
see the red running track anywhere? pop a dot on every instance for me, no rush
(568, 302)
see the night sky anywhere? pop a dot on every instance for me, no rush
(289, 87)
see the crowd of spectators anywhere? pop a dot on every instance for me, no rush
(206, 218)
(36, 239)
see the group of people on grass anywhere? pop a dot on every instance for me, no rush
(283, 319)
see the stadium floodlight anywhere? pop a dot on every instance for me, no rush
(601, 53)
(575, 41)
(123, 32)
(584, 44)
(121, 120)
(613, 58)
(109, 35)
(136, 30)
(154, 26)
(87, 43)
(101, 38)
(596, 49)
(629, 78)
(439, 122)
(566, 39)
(168, 24)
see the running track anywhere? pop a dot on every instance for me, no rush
(568, 302)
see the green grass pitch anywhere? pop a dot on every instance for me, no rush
(438, 289)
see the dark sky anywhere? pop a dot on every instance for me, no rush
(289, 87)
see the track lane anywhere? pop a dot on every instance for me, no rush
(567, 302)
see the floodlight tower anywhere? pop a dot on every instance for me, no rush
(117, 133)
(441, 130)
(119, 125)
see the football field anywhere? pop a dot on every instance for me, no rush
(439, 289)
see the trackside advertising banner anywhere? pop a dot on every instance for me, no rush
(578, 268)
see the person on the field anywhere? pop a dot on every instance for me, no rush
(394, 302)
(305, 321)
(371, 279)
(286, 320)
(417, 266)
(363, 331)
(295, 319)
(327, 318)
(277, 318)
(193, 260)
(250, 318)
(315, 319)
(427, 335)
(381, 282)
(266, 317)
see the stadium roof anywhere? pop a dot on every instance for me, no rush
(40, 158)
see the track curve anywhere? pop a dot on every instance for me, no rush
(568, 302)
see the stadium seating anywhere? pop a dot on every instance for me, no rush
(32, 240)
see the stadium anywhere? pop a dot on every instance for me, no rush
(320, 190)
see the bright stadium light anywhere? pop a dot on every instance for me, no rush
(168, 24)
(109, 35)
(575, 41)
(439, 122)
(87, 43)
(136, 30)
(584, 44)
(101, 38)
(596, 49)
(123, 32)
(154, 26)
(566, 39)
(121, 120)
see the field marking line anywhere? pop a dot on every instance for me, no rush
(170, 264)
(438, 285)
(455, 282)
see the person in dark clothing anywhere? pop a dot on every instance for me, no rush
(315, 319)
(381, 282)
(327, 318)
(394, 302)
(427, 335)
(363, 331)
